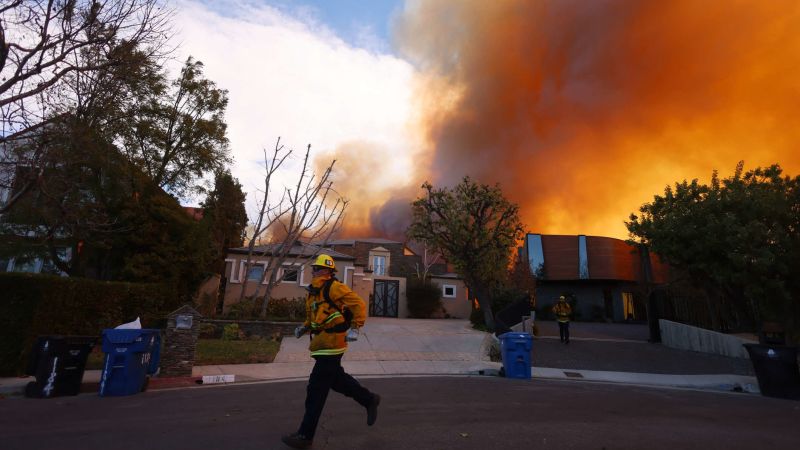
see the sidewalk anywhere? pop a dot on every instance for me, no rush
(404, 347)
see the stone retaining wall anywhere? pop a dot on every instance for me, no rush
(687, 337)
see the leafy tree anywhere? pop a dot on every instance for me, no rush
(177, 132)
(43, 44)
(167, 245)
(76, 205)
(475, 228)
(737, 238)
(225, 217)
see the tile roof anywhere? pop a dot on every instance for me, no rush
(368, 240)
(299, 249)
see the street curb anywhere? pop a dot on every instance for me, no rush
(93, 387)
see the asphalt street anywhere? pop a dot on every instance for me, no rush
(416, 413)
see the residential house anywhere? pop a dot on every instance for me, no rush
(376, 269)
(604, 276)
(294, 274)
(388, 266)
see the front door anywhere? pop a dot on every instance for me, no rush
(384, 298)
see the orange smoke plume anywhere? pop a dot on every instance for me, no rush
(583, 110)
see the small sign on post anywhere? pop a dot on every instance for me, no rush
(182, 332)
(183, 322)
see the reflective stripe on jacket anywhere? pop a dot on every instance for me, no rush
(562, 310)
(322, 316)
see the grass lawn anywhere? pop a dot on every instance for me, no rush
(215, 351)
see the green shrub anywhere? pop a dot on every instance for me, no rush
(247, 309)
(293, 309)
(424, 298)
(500, 298)
(207, 331)
(34, 305)
(231, 332)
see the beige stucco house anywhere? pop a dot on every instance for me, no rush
(376, 269)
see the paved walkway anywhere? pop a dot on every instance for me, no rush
(398, 347)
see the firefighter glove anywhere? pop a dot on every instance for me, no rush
(300, 331)
(352, 335)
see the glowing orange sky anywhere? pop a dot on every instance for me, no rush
(585, 110)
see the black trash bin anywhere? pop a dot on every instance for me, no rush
(58, 363)
(776, 370)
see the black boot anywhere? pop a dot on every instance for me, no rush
(372, 409)
(296, 440)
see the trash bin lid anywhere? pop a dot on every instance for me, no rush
(515, 335)
(123, 336)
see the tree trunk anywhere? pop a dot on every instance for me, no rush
(486, 306)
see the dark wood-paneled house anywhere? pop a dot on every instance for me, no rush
(604, 276)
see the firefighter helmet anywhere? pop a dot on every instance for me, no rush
(324, 261)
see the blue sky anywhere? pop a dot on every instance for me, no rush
(351, 19)
(361, 23)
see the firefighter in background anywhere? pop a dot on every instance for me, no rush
(562, 310)
(334, 314)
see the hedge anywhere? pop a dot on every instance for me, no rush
(277, 309)
(424, 298)
(33, 305)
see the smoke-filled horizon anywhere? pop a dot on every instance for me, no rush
(583, 111)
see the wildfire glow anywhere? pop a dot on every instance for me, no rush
(585, 110)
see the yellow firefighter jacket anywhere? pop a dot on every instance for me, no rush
(326, 321)
(562, 310)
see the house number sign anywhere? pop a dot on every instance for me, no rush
(183, 322)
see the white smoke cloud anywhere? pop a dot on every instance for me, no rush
(291, 76)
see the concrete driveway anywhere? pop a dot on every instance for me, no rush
(385, 339)
(386, 347)
(404, 346)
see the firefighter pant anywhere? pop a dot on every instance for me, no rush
(563, 330)
(328, 374)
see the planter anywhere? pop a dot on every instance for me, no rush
(776, 370)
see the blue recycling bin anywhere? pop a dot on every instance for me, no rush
(515, 349)
(131, 355)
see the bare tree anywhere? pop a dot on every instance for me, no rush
(43, 42)
(429, 258)
(310, 211)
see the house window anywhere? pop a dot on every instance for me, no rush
(628, 311)
(27, 264)
(256, 273)
(535, 254)
(448, 291)
(233, 274)
(583, 259)
(290, 274)
(4, 194)
(49, 266)
(379, 265)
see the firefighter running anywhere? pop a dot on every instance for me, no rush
(334, 314)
